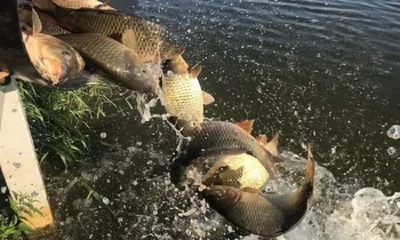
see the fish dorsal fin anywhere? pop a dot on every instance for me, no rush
(129, 40)
(169, 51)
(207, 98)
(36, 24)
(262, 139)
(246, 125)
(195, 71)
(250, 190)
(272, 146)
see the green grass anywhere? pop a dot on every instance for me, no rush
(58, 119)
(59, 123)
(14, 228)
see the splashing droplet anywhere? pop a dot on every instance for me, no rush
(394, 132)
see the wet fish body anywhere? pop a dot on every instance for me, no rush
(216, 137)
(54, 59)
(117, 60)
(148, 39)
(264, 214)
(237, 171)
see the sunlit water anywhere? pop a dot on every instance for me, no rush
(325, 72)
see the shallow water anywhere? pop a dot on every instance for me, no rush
(325, 72)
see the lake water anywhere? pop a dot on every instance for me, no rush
(325, 72)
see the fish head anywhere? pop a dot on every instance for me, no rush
(141, 76)
(55, 60)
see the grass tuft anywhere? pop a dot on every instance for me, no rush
(58, 119)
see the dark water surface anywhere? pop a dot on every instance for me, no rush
(325, 72)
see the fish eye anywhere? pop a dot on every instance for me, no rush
(66, 53)
(144, 71)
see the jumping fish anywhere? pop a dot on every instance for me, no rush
(54, 59)
(182, 96)
(216, 137)
(261, 213)
(117, 60)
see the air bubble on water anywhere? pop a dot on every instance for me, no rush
(106, 201)
(103, 135)
(394, 132)
(135, 183)
(120, 219)
(3, 189)
(391, 151)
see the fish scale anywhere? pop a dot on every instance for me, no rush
(149, 36)
(238, 171)
(116, 59)
(182, 97)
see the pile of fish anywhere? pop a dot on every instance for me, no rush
(221, 161)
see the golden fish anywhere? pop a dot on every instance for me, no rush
(238, 171)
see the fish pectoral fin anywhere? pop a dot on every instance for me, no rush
(36, 24)
(195, 71)
(207, 98)
(272, 146)
(246, 125)
(129, 40)
(222, 195)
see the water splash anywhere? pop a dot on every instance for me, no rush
(141, 193)
(394, 132)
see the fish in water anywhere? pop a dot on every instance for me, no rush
(147, 39)
(238, 171)
(54, 59)
(76, 4)
(216, 137)
(117, 60)
(182, 96)
(261, 213)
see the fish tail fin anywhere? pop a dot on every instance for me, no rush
(272, 146)
(310, 172)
